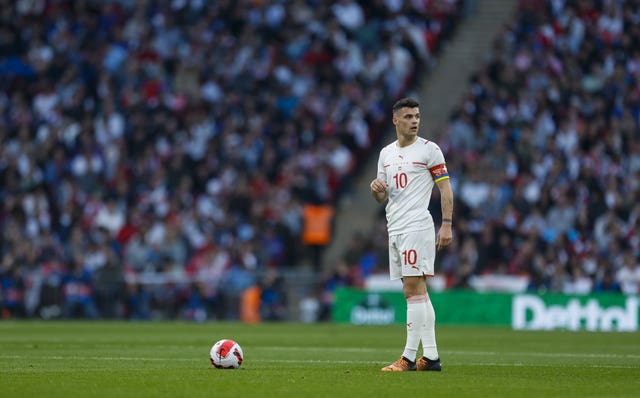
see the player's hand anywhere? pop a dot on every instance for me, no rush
(445, 236)
(378, 185)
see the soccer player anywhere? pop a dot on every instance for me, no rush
(408, 168)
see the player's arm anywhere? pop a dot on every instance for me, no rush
(379, 185)
(445, 234)
(379, 190)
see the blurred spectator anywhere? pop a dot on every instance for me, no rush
(12, 291)
(340, 276)
(110, 287)
(78, 289)
(628, 274)
(273, 297)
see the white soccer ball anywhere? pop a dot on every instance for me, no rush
(226, 354)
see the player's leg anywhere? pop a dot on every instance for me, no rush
(429, 345)
(430, 359)
(403, 266)
(416, 296)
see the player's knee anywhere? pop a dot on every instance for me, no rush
(414, 287)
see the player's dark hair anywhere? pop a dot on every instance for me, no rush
(405, 103)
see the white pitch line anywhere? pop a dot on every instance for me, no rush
(76, 358)
(299, 361)
(522, 354)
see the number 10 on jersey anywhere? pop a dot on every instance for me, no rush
(401, 180)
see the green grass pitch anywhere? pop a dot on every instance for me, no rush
(170, 359)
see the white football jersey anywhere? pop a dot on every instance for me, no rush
(410, 173)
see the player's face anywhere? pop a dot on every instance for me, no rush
(407, 122)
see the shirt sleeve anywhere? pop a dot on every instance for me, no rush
(437, 165)
(381, 169)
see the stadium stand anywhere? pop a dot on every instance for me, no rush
(155, 156)
(545, 153)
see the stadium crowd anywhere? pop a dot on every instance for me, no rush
(544, 152)
(155, 155)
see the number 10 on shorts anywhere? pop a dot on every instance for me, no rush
(409, 257)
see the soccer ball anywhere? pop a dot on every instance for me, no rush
(226, 354)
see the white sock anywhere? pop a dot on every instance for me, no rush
(416, 318)
(430, 350)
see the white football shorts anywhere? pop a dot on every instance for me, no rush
(412, 254)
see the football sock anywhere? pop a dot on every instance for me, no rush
(430, 350)
(416, 318)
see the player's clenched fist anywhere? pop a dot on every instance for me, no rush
(378, 185)
(379, 189)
